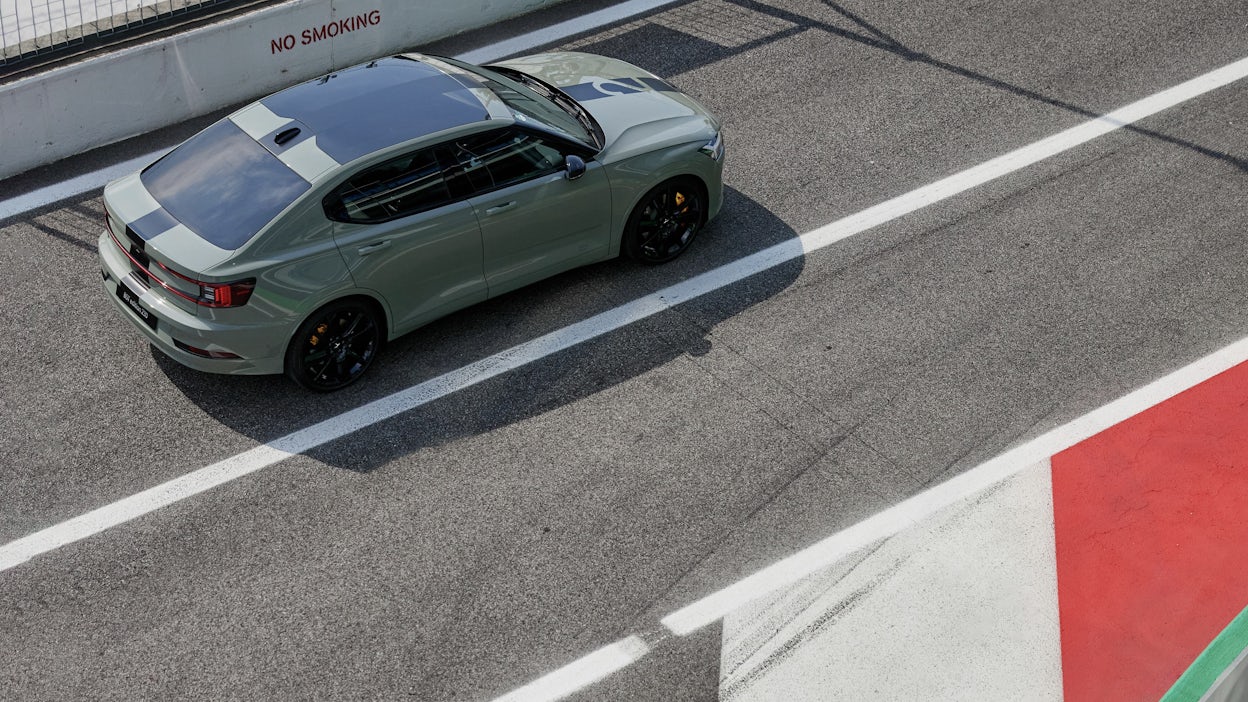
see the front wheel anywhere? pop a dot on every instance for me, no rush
(665, 222)
(334, 346)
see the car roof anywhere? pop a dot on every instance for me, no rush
(358, 110)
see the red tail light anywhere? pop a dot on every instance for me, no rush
(226, 294)
(203, 353)
(234, 294)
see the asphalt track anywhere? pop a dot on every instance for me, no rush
(471, 545)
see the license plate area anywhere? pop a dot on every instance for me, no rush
(131, 300)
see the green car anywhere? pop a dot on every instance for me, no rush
(302, 232)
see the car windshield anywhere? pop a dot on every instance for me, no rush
(223, 185)
(530, 98)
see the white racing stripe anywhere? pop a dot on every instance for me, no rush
(258, 121)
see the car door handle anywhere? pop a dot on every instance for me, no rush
(499, 208)
(374, 248)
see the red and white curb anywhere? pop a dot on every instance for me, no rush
(786, 575)
(1112, 571)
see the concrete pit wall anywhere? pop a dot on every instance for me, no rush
(72, 109)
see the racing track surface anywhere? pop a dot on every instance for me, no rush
(469, 546)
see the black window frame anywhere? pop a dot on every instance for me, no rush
(335, 208)
(566, 147)
(454, 175)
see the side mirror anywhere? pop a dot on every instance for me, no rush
(574, 165)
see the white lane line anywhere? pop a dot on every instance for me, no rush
(555, 32)
(909, 512)
(581, 673)
(894, 520)
(788, 571)
(898, 518)
(11, 207)
(85, 183)
(78, 528)
(1027, 155)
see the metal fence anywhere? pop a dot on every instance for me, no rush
(36, 31)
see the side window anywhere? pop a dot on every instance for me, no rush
(397, 188)
(498, 159)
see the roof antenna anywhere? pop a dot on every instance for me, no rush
(283, 137)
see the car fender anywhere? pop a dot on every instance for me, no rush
(632, 178)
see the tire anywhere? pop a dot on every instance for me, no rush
(665, 221)
(335, 345)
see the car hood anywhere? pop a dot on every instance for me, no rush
(638, 111)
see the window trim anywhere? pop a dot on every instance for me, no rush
(566, 147)
(335, 209)
(454, 176)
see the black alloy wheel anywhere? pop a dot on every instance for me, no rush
(334, 346)
(665, 222)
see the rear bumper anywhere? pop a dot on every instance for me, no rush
(253, 344)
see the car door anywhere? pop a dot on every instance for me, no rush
(534, 220)
(403, 235)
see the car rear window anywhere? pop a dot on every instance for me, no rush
(223, 185)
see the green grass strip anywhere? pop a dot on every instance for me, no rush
(1204, 671)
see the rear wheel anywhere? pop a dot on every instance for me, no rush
(334, 346)
(666, 220)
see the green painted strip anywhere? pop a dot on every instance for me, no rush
(1193, 684)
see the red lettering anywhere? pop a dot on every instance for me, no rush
(326, 31)
(278, 45)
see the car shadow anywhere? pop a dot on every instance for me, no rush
(267, 408)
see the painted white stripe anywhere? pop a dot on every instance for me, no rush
(581, 673)
(962, 607)
(305, 158)
(138, 202)
(258, 121)
(925, 504)
(1232, 683)
(908, 513)
(331, 429)
(555, 32)
(308, 160)
(1026, 156)
(14, 206)
(85, 183)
